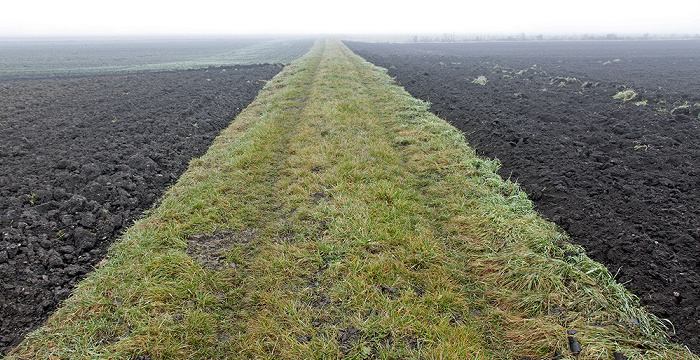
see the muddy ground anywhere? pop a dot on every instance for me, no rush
(81, 158)
(623, 179)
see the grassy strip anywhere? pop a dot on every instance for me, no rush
(357, 225)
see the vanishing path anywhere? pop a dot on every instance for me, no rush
(337, 218)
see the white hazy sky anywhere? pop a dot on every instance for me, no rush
(158, 17)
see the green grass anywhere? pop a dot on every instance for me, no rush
(626, 95)
(562, 81)
(351, 223)
(480, 80)
(681, 109)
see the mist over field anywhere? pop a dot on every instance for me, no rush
(51, 58)
(209, 17)
(588, 110)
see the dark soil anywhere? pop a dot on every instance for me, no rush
(82, 158)
(622, 179)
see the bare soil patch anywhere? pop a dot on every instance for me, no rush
(210, 249)
(622, 179)
(81, 158)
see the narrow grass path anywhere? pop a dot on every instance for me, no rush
(337, 218)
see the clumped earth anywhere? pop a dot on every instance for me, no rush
(621, 177)
(81, 158)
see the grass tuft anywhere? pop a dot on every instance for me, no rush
(626, 95)
(480, 80)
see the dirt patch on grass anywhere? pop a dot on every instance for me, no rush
(347, 338)
(210, 249)
(621, 177)
(82, 158)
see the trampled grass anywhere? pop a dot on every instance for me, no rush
(354, 225)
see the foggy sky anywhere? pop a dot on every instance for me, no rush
(202, 17)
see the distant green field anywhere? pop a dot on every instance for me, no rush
(38, 59)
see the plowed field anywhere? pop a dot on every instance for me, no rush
(82, 157)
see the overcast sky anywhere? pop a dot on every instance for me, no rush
(201, 17)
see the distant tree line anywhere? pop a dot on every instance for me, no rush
(452, 37)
